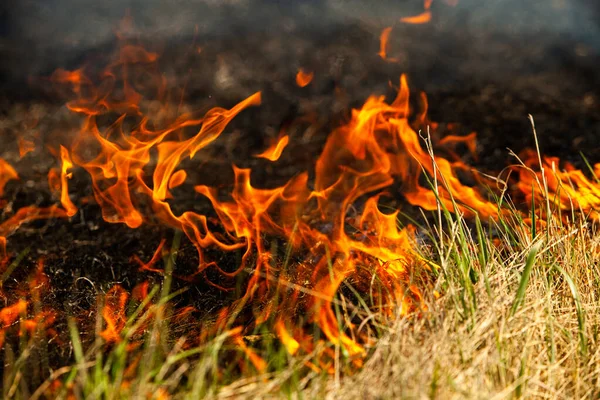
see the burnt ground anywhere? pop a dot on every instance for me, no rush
(485, 76)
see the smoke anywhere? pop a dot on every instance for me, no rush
(40, 35)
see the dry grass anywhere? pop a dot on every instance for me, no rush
(517, 317)
(547, 349)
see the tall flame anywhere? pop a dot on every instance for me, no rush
(333, 228)
(375, 149)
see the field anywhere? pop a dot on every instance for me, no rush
(335, 211)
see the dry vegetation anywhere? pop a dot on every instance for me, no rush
(473, 345)
(512, 313)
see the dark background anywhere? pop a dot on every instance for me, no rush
(40, 35)
(484, 64)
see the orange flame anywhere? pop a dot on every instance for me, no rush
(425, 16)
(114, 314)
(9, 315)
(374, 149)
(274, 152)
(334, 228)
(336, 231)
(7, 173)
(303, 78)
(422, 18)
(28, 214)
(25, 146)
(259, 363)
(568, 188)
(67, 164)
(3, 254)
(383, 44)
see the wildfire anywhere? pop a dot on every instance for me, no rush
(329, 218)
(336, 231)
(375, 149)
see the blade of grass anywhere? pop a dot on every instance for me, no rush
(529, 263)
(577, 301)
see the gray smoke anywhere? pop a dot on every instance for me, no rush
(40, 35)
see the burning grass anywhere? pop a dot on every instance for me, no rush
(490, 291)
(513, 312)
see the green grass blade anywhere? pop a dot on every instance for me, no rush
(525, 277)
(577, 301)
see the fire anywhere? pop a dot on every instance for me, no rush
(114, 314)
(422, 18)
(330, 219)
(7, 173)
(568, 188)
(375, 149)
(425, 16)
(304, 78)
(67, 164)
(274, 152)
(8, 315)
(28, 316)
(25, 146)
(334, 227)
(28, 214)
(383, 44)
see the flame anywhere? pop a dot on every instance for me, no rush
(3, 253)
(383, 44)
(25, 146)
(332, 219)
(375, 149)
(304, 78)
(16, 319)
(25, 215)
(334, 228)
(286, 338)
(114, 314)
(28, 214)
(567, 188)
(67, 164)
(177, 179)
(425, 16)
(9, 315)
(259, 363)
(274, 152)
(7, 173)
(422, 18)
(149, 266)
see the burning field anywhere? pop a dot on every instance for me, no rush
(320, 199)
